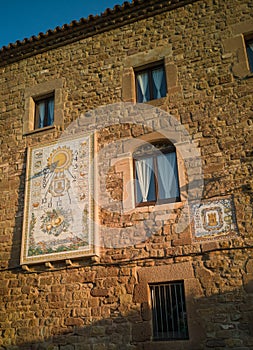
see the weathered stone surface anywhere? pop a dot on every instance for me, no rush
(141, 332)
(99, 292)
(214, 343)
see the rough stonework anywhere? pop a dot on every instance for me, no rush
(102, 300)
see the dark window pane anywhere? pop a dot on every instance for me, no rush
(50, 112)
(168, 186)
(159, 83)
(44, 112)
(150, 84)
(249, 47)
(157, 173)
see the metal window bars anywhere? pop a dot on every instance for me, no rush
(169, 311)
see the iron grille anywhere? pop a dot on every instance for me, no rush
(169, 311)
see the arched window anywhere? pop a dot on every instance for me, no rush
(156, 173)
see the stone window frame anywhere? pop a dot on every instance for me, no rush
(151, 57)
(235, 46)
(124, 164)
(39, 91)
(142, 332)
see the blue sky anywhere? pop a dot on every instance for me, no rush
(21, 19)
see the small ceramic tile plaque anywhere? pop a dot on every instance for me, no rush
(58, 205)
(213, 219)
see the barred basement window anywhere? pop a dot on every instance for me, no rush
(169, 311)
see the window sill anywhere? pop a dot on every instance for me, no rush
(40, 130)
(55, 264)
(157, 207)
(156, 102)
(248, 76)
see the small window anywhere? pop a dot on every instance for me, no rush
(169, 317)
(150, 83)
(156, 174)
(249, 48)
(44, 112)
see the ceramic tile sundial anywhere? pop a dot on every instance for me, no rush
(58, 218)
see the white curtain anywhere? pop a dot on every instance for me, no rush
(41, 114)
(251, 46)
(51, 112)
(158, 78)
(142, 79)
(168, 177)
(144, 173)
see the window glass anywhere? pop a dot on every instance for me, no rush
(156, 174)
(44, 112)
(249, 48)
(159, 82)
(145, 190)
(143, 91)
(167, 176)
(150, 84)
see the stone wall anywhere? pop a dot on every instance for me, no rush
(103, 303)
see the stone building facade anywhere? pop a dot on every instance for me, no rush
(153, 80)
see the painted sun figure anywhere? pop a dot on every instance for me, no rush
(59, 162)
(60, 159)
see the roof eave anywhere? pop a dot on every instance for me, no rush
(77, 30)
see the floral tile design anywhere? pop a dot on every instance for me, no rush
(213, 219)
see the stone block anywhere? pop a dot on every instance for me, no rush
(249, 266)
(141, 332)
(99, 292)
(146, 312)
(74, 321)
(214, 343)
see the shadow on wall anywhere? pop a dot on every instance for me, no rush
(14, 261)
(225, 321)
(61, 314)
